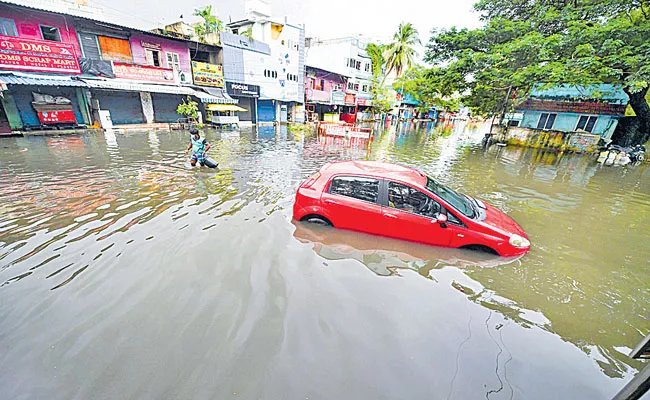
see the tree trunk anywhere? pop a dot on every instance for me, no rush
(642, 110)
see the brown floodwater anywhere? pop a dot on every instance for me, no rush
(125, 274)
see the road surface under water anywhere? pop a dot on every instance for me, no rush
(124, 274)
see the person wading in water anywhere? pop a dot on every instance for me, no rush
(199, 147)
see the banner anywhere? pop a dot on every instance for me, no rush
(37, 55)
(144, 73)
(205, 74)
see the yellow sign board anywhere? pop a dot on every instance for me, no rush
(205, 74)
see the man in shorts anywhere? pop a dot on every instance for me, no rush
(199, 147)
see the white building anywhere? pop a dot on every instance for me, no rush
(348, 57)
(280, 73)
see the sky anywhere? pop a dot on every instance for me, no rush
(376, 19)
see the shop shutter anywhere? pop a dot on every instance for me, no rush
(164, 107)
(266, 111)
(89, 46)
(125, 107)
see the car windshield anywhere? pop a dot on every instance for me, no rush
(459, 201)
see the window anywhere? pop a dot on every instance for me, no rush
(546, 121)
(173, 61)
(50, 33)
(405, 198)
(356, 86)
(350, 86)
(322, 84)
(8, 27)
(367, 67)
(89, 46)
(271, 74)
(153, 57)
(586, 123)
(365, 88)
(359, 188)
(459, 201)
(358, 66)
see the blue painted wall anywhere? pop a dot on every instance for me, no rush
(566, 122)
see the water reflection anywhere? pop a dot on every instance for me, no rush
(118, 216)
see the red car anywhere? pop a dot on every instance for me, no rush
(403, 203)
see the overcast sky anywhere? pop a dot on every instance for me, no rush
(377, 19)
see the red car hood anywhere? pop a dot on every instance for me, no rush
(502, 222)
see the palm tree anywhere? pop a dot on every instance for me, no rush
(400, 54)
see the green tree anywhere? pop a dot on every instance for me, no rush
(548, 41)
(210, 24)
(400, 54)
(188, 108)
(375, 52)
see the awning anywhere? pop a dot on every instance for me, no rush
(215, 96)
(23, 78)
(117, 84)
(224, 107)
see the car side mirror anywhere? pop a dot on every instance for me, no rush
(440, 219)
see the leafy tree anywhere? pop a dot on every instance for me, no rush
(188, 108)
(375, 52)
(210, 24)
(400, 54)
(549, 41)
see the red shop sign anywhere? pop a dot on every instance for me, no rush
(37, 55)
(349, 99)
(144, 73)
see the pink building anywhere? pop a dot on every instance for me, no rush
(14, 21)
(161, 52)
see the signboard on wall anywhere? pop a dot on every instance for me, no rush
(144, 73)
(37, 55)
(349, 99)
(338, 98)
(363, 102)
(242, 90)
(206, 74)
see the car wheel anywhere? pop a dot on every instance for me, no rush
(317, 219)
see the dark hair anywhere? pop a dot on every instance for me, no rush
(194, 131)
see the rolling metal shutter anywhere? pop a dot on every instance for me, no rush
(265, 111)
(164, 107)
(125, 107)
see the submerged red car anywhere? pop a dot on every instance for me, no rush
(403, 203)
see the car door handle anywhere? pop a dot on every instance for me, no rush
(328, 201)
(390, 216)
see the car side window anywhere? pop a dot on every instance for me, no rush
(453, 219)
(366, 189)
(405, 198)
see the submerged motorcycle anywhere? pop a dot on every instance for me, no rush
(617, 155)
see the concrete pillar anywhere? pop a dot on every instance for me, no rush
(147, 107)
(277, 110)
(82, 100)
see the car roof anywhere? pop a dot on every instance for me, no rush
(376, 169)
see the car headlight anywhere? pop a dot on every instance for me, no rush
(518, 241)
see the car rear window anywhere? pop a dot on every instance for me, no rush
(366, 189)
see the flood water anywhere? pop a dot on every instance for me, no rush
(126, 275)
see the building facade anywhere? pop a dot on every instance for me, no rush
(272, 58)
(594, 109)
(346, 57)
(59, 70)
(324, 94)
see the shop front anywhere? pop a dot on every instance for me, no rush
(247, 96)
(33, 101)
(224, 114)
